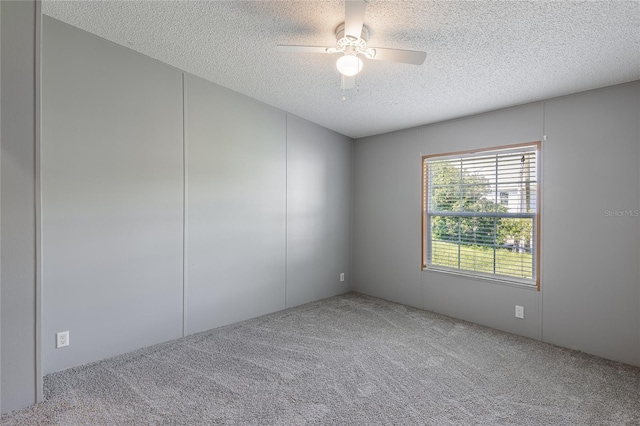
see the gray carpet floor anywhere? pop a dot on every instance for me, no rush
(347, 360)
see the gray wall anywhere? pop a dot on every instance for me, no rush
(236, 174)
(590, 288)
(166, 198)
(112, 186)
(386, 241)
(591, 298)
(118, 196)
(18, 262)
(483, 302)
(318, 206)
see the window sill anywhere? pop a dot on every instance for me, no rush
(523, 284)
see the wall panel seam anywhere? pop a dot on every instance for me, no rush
(184, 205)
(38, 203)
(286, 206)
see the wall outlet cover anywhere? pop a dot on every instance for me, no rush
(519, 311)
(62, 339)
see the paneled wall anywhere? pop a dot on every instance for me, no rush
(236, 206)
(484, 302)
(590, 287)
(18, 359)
(318, 206)
(172, 205)
(386, 241)
(591, 256)
(112, 184)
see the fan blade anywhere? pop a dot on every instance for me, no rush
(302, 49)
(354, 17)
(348, 82)
(397, 55)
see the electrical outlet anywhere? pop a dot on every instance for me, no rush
(341, 276)
(519, 311)
(62, 339)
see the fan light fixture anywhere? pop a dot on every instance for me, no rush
(349, 65)
(351, 44)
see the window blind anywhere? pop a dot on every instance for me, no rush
(481, 213)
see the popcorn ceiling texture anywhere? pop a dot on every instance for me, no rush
(481, 55)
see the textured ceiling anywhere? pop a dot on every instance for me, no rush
(481, 55)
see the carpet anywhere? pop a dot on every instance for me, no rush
(346, 360)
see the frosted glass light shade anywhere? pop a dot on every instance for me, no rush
(349, 65)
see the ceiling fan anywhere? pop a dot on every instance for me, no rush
(351, 43)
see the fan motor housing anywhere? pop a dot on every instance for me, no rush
(344, 41)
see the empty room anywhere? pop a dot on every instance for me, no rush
(360, 212)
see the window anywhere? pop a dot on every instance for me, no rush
(480, 213)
